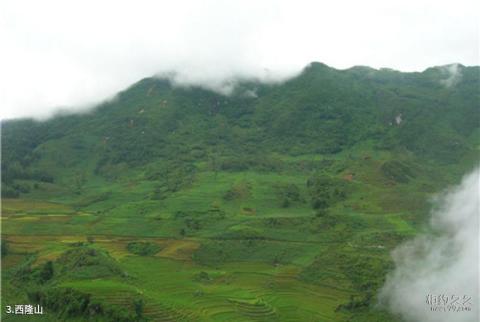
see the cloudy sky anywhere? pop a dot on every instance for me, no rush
(72, 54)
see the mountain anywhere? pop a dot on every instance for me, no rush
(319, 176)
(322, 111)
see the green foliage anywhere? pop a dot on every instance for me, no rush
(4, 247)
(139, 305)
(321, 111)
(91, 199)
(202, 277)
(288, 194)
(356, 304)
(10, 192)
(143, 248)
(14, 189)
(241, 190)
(85, 263)
(246, 247)
(325, 191)
(46, 272)
(397, 171)
(252, 162)
(171, 177)
(70, 303)
(363, 270)
(79, 181)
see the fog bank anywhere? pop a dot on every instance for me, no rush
(436, 275)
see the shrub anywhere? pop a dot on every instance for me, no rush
(238, 191)
(46, 272)
(70, 303)
(87, 262)
(288, 194)
(397, 171)
(143, 248)
(326, 191)
(4, 248)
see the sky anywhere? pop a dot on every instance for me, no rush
(71, 55)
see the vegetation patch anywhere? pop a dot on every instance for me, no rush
(85, 262)
(4, 248)
(397, 171)
(241, 190)
(89, 200)
(143, 248)
(363, 270)
(70, 303)
(213, 253)
(203, 277)
(288, 194)
(325, 191)
(170, 178)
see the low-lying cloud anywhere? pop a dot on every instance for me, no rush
(436, 276)
(453, 75)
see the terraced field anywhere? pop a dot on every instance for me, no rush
(222, 273)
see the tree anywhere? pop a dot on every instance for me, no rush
(79, 181)
(139, 305)
(47, 272)
(326, 191)
(4, 247)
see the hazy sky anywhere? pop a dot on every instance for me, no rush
(74, 53)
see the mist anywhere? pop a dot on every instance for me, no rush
(71, 55)
(453, 74)
(436, 275)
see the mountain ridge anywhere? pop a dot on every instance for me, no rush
(319, 104)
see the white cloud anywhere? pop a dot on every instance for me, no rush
(453, 75)
(61, 53)
(444, 263)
